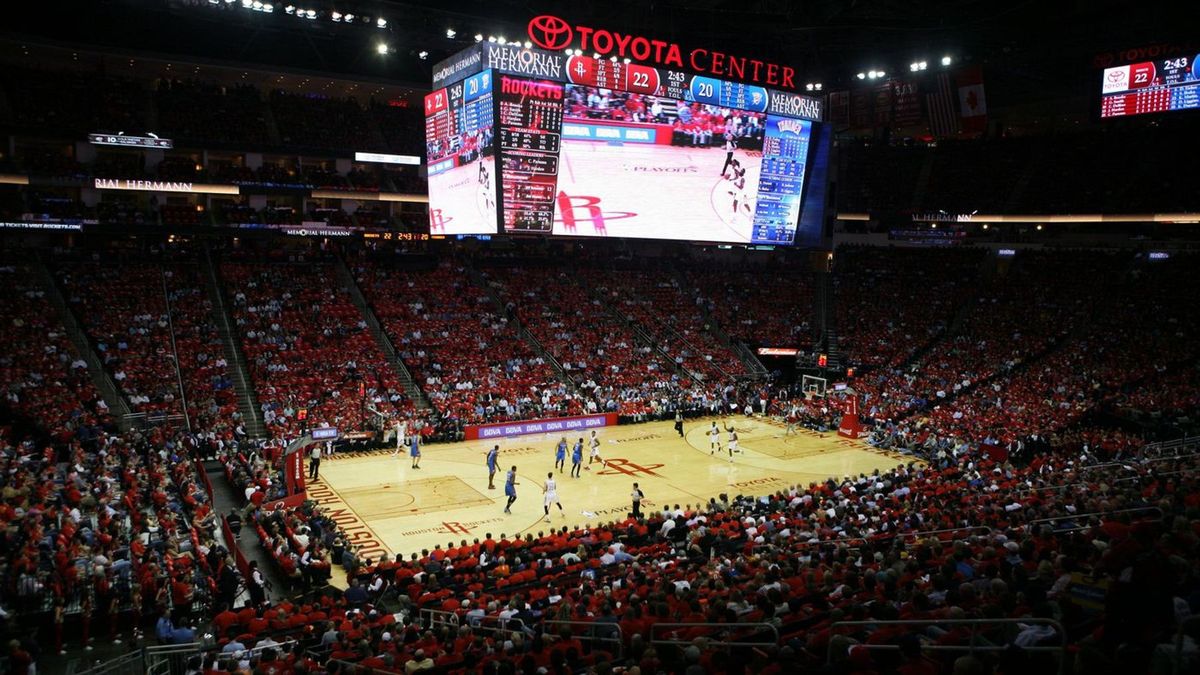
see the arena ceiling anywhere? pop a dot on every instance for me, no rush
(825, 40)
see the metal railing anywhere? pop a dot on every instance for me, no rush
(438, 618)
(970, 647)
(602, 634)
(748, 629)
(1075, 516)
(151, 660)
(1177, 653)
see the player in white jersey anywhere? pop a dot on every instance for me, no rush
(550, 496)
(595, 456)
(733, 442)
(400, 433)
(738, 189)
(714, 439)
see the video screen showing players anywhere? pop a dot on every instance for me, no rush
(642, 166)
(460, 149)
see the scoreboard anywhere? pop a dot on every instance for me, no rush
(1151, 87)
(530, 141)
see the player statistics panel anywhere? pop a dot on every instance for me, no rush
(531, 115)
(460, 149)
(1151, 87)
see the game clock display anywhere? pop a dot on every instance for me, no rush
(1151, 87)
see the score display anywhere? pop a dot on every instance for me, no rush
(459, 144)
(590, 147)
(531, 115)
(1151, 86)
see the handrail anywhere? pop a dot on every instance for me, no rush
(1177, 661)
(970, 647)
(439, 617)
(593, 627)
(183, 402)
(894, 535)
(1070, 516)
(718, 627)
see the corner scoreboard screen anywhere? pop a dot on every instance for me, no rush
(587, 147)
(1151, 87)
(460, 150)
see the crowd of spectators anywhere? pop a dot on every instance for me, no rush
(761, 308)
(308, 347)
(124, 313)
(45, 378)
(467, 356)
(675, 319)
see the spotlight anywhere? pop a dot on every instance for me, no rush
(479, 37)
(923, 65)
(914, 67)
(500, 40)
(985, 226)
(348, 17)
(268, 7)
(1039, 227)
(872, 74)
(422, 55)
(381, 22)
(808, 87)
(596, 55)
(450, 33)
(628, 60)
(311, 14)
(613, 58)
(290, 9)
(528, 44)
(946, 60)
(381, 49)
(336, 16)
(862, 76)
(491, 38)
(881, 73)
(818, 85)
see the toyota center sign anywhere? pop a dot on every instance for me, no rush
(555, 34)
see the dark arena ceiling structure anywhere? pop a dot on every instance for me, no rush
(824, 40)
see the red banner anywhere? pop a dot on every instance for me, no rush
(289, 502)
(293, 472)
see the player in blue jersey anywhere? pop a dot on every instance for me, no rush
(491, 465)
(577, 458)
(560, 454)
(510, 488)
(414, 450)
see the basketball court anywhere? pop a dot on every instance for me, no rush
(609, 186)
(384, 505)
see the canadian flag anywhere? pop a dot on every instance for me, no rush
(972, 104)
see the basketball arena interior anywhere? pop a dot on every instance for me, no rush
(683, 337)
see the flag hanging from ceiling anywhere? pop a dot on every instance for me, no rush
(972, 103)
(939, 106)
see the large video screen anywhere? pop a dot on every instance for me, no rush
(460, 149)
(641, 166)
(1151, 87)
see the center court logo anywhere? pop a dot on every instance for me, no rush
(620, 466)
(550, 32)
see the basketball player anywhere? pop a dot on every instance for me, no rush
(738, 188)
(400, 429)
(491, 465)
(595, 456)
(510, 488)
(576, 458)
(730, 146)
(733, 442)
(792, 416)
(414, 450)
(550, 490)
(714, 438)
(485, 184)
(560, 454)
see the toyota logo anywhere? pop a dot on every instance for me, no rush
(1116, 76)
(550, 32)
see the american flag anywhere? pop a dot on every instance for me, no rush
(939, 105)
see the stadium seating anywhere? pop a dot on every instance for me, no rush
(762, 308)
(308, 347)
(45, 379)
(471, 362)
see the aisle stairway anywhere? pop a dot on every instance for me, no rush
(231, 340)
